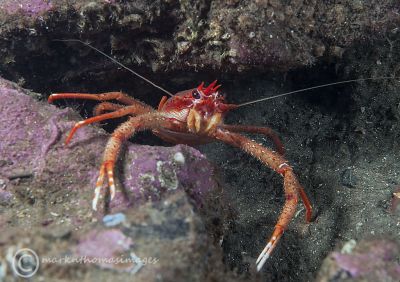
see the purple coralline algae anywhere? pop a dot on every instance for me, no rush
(174, 168)
(27, 7)
(370, 260)
(103, 247)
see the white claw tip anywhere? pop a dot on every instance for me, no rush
(94, 204)
(96, 198)
(262, 258)
(112, 192)
(261, 261)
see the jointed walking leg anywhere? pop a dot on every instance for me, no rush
(292, 187)
(119, 113)
(123, 98)
(106, 107)
(147, 121)
(135, 107)
(268, 132)
(119, 96)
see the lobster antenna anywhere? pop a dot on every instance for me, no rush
(315, 87)
(115, 61)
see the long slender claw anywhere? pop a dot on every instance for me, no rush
(70, 135)
(73, 130)
(264, 253)
(106, 167)
(262, 258)
(97, 190)
(52, 97)
(110, 174)
(112, 192)
(267, 251)
(96, 198)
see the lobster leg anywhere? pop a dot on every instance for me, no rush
(119, 96)
(291, 186)
(268, 132)
(106, 107)
(119, 113)
(138, 123)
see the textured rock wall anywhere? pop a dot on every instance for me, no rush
(224, 36)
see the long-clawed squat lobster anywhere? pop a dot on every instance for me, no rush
(194, 116)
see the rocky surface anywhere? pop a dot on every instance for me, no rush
(168, 36)
(368, 260)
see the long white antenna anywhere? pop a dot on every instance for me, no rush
(314, 87)
(115, 61)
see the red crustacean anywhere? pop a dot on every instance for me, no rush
(194, 116)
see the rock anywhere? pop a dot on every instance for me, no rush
(26, 7)
(370, 260)
(114, 219)
(5, 196)
(348, 178)
(394, 207)
(104, 247)
(156, 240)
(167, 36)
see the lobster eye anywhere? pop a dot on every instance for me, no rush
(196, 94)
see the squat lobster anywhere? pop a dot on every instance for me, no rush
(193, 116)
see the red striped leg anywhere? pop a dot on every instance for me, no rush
(119, 113)
(105, 169)
(106, 107)
(147, 121)
(291, 185)
(119, 96)
(268, 132)
(306, 203)
(99, 184)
